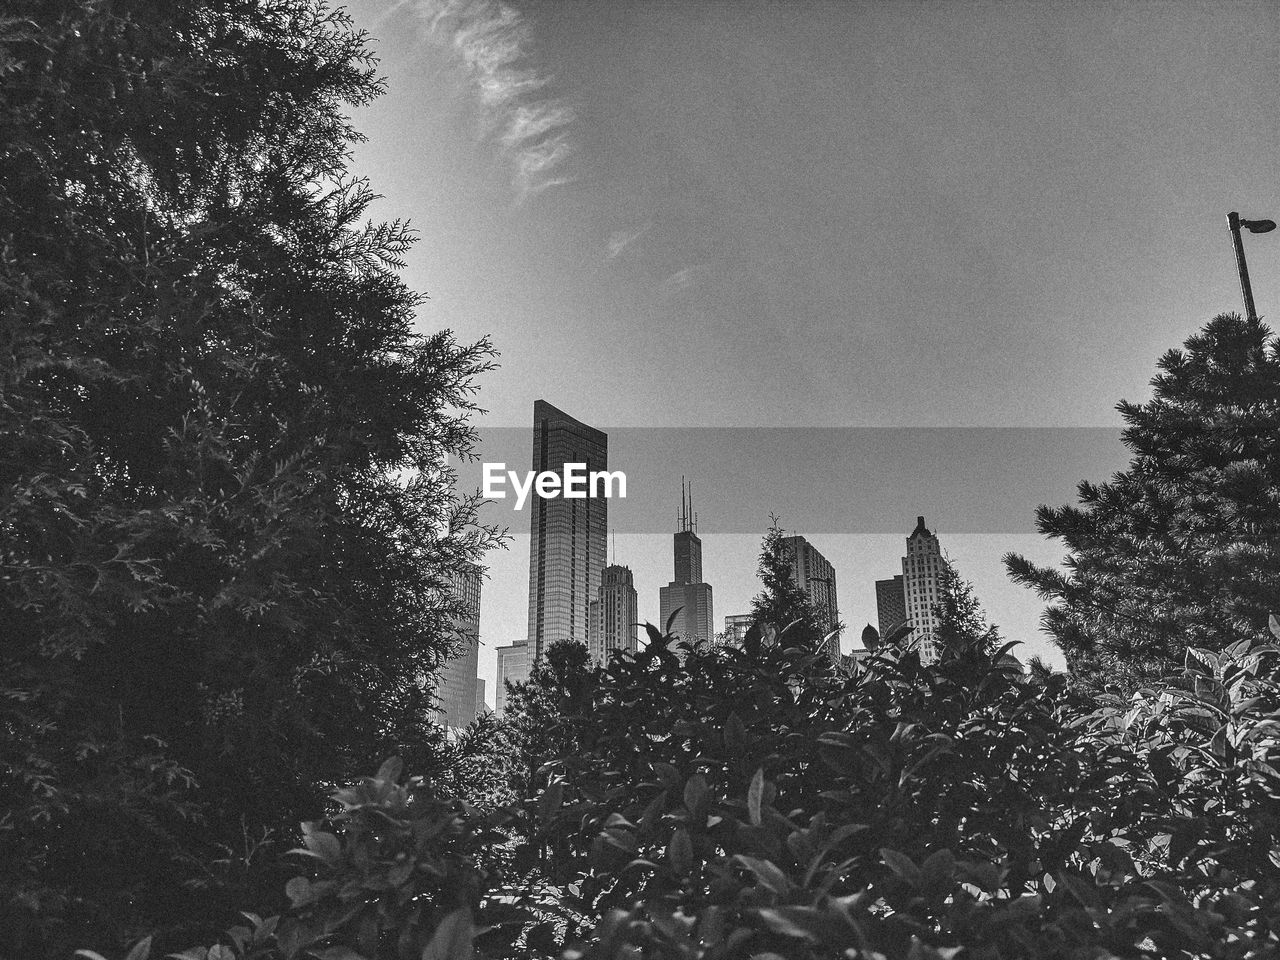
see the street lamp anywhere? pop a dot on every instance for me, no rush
(1253, 226)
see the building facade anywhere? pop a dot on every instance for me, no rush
(614, 618)
(922, 569)
(736, 626)
(686, 596)
(567, 539)
(817, 578)
(456, 681)
(891, 604)
(514, 664)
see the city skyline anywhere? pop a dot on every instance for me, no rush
(882, 215)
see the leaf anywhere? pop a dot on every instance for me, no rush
(695, 792)
(1274, 624)
(390, 770)
(94, 955)
(454, 939)
(766, 873)
(754, 794)
(141, 950)
(671, 620)
(791, 921)
(902, 865)
(338, 952)
(735, 736)
(298, 890)
(679, 853)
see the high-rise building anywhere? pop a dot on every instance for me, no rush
(736, 626)
(482, 705)
(687, 594)
(614, 618)
(891, 604)
(456, 690)
(567, 535)
(514, 664)
(921, 576)
(817, 578)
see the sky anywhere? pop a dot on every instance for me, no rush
(818, 214)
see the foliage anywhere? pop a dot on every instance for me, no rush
(1180, 549)
(759, 803)
(225, 535)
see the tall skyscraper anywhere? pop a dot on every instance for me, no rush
(456, 690)
(567, 535)
(817, 578)
(614, 615)
(514, 664)
(921, 576)
(687, 593)
(891, 604)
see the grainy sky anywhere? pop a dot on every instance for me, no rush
(824, 214)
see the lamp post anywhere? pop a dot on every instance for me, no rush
(1234, 223)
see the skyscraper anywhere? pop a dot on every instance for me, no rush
(817, 578)
(921, 576)
(514, 663)
(457, 678)
(687, 593)
(567, 535)
(891, 604)
(614, 615)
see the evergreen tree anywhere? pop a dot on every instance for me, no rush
(962, 624)
(783, 602)
(1183, 547)
(225, 535)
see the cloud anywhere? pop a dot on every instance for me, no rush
(684, 279)
(619, 240)
(493, 43)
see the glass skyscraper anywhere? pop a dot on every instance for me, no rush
(567, 539)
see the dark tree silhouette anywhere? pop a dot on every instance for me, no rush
(1182, 549)
(225, 536)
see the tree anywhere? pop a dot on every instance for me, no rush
(1183, 547)
(783, 601)
(225, 532)
(962, 623)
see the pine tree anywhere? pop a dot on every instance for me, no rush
(225, 535)
(1183, 547)
(783, 602)
(962, 623)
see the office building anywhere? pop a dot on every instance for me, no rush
(817, 578)
(514, 664)
(456, 681)
(686, 596)
(736, 626)
(567, 535)
(921, 576)
(482, 705)
(891, 604)
(613, 623)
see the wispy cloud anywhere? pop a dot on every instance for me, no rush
(619, 240)
(493, 42)
(684, 279)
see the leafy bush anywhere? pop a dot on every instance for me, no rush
(761, 803)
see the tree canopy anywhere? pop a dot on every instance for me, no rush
(1182, 548)
(225, 530)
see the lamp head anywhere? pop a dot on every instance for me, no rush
(1258, 226)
